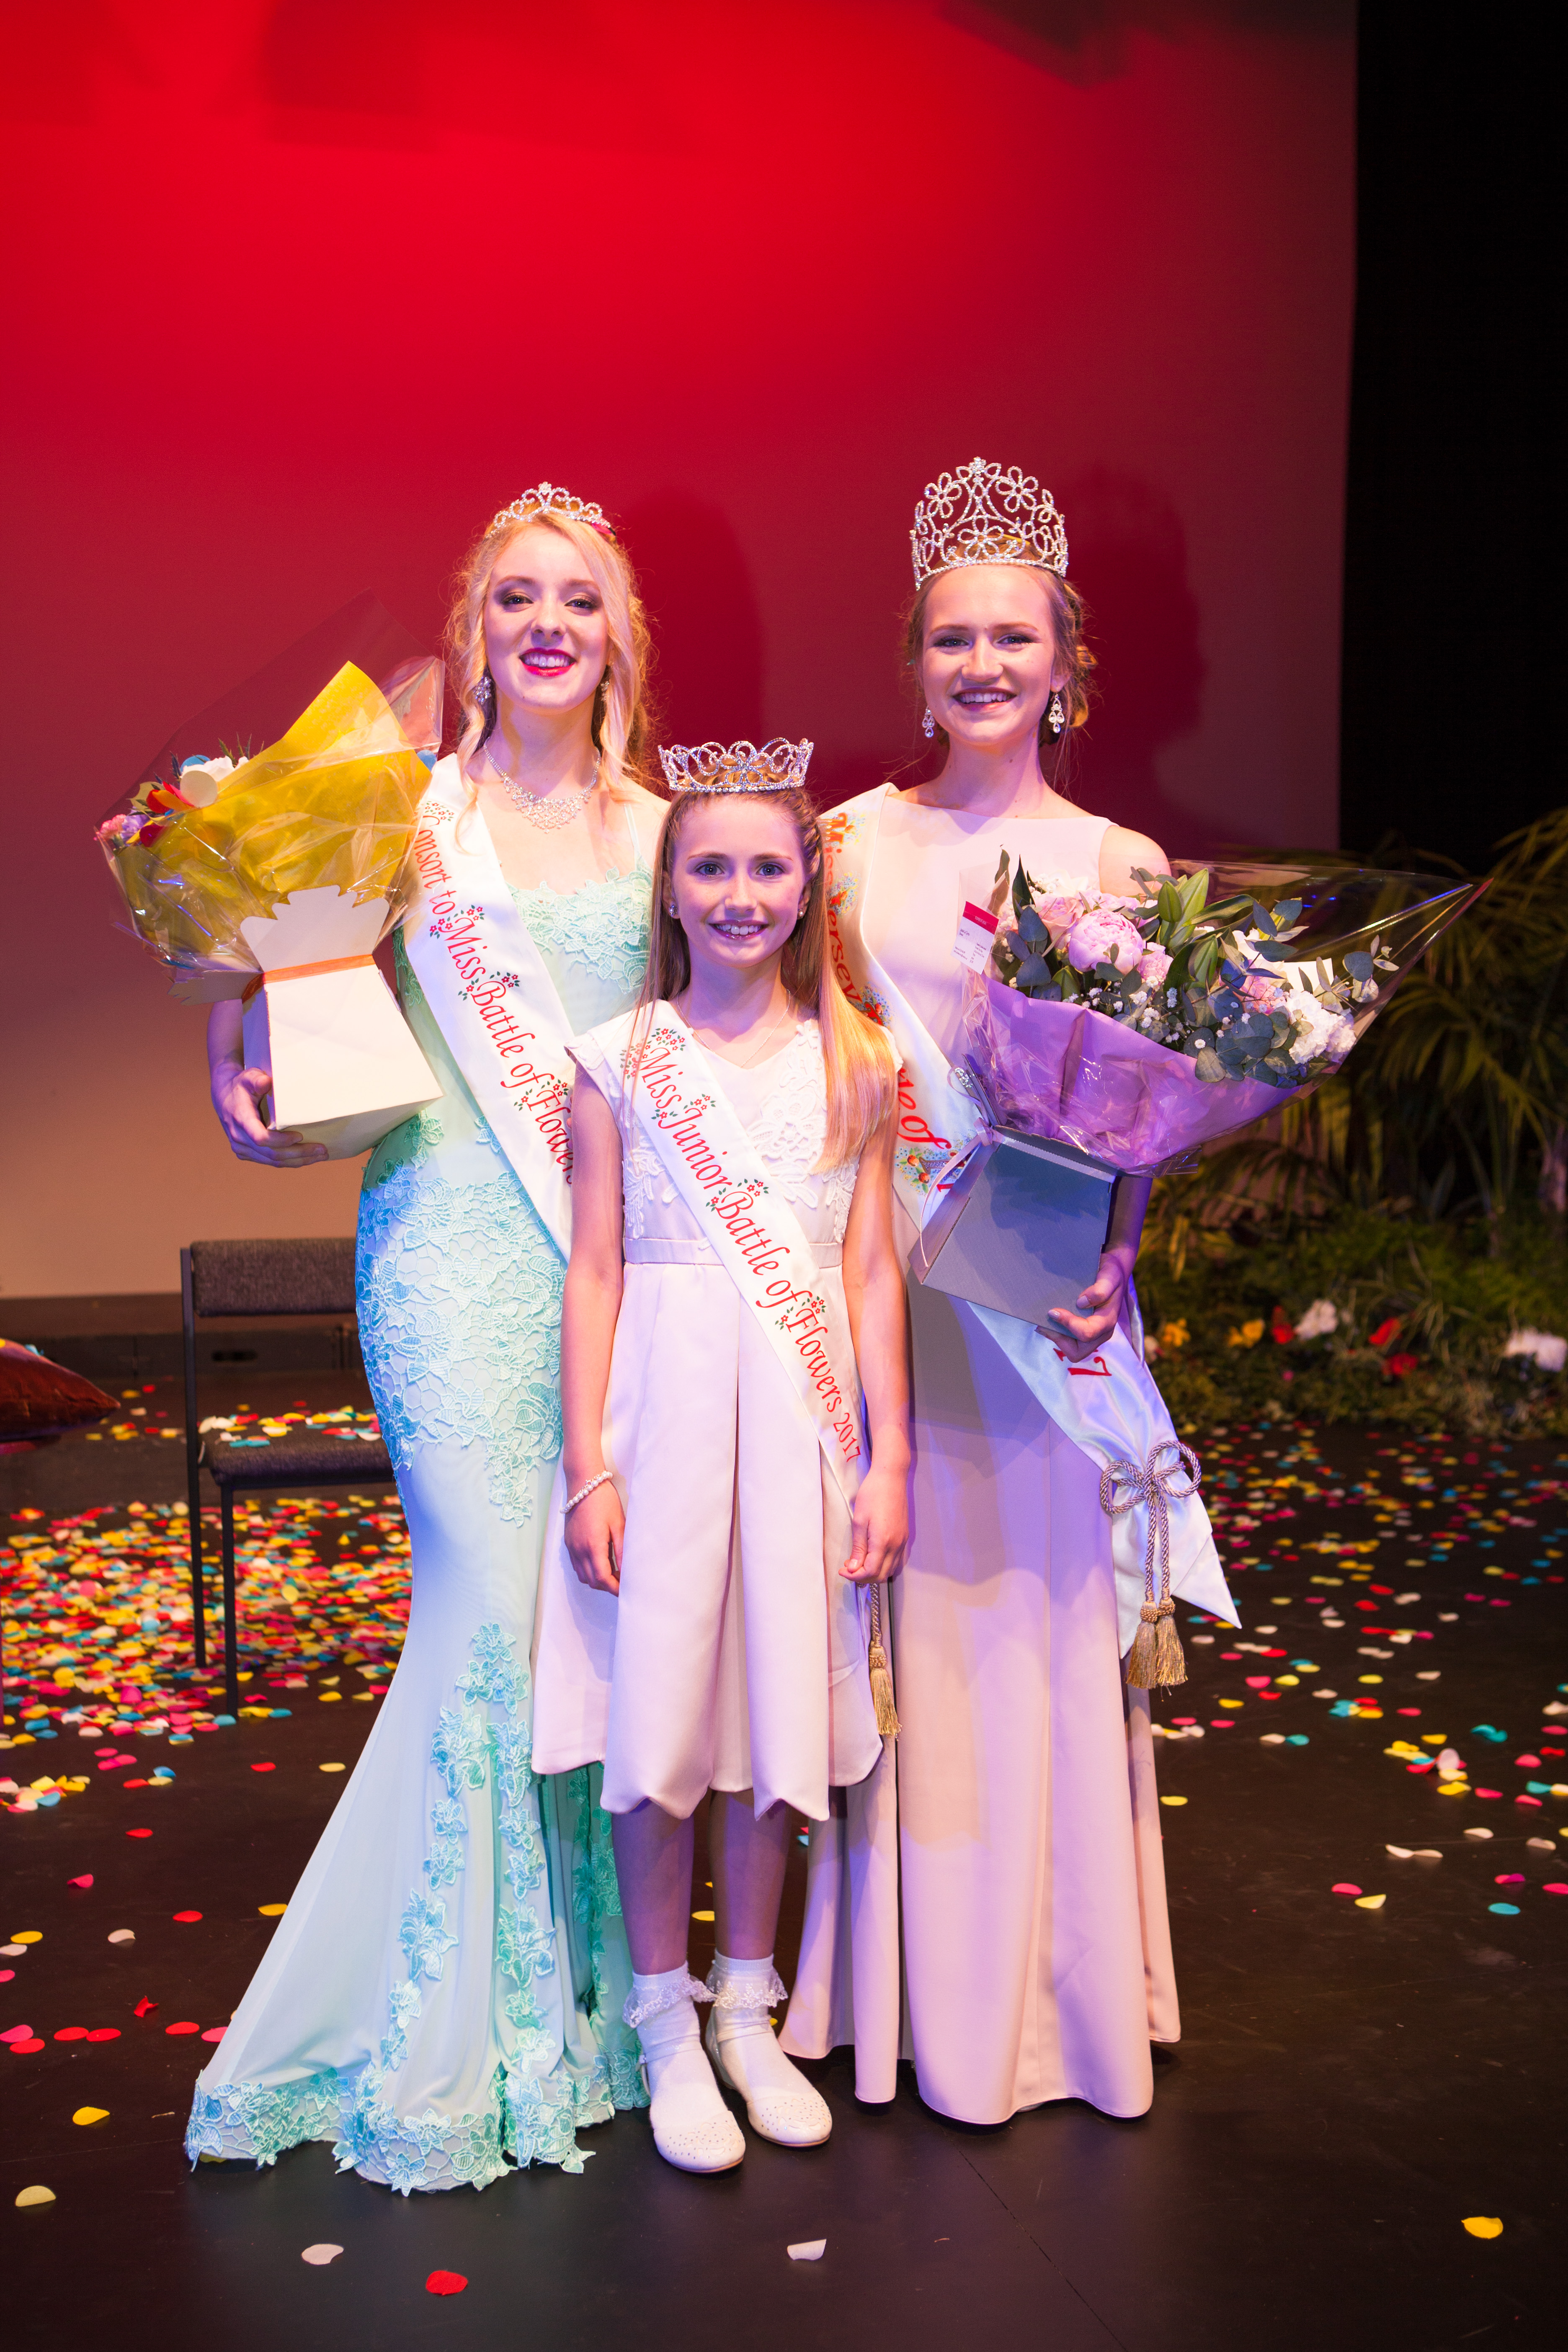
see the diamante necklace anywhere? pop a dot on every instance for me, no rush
(548, 811)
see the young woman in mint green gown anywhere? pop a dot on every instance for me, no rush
(443, 1995)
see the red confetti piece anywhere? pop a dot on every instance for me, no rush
(445, 2283)
(25, 2049)
(215, 2034)
(138, 1832)
(1489, 1792)
(1508, 1878)
(185, 1919)
(1529, 1800)
(104, 2033)
(264, 1768)
(72, 2033)
(144, 2007)
(184, 2025)
(85, 1880)
(1344, 1887)
(1554, 1889)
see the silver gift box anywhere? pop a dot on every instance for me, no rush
(1021, 1229)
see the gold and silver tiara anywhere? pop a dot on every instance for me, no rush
(549, 498)
(777, 766)
(988, 514)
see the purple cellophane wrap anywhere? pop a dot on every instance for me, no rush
(1065, 1072)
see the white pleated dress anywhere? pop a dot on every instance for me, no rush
(1036, 1947)
(734, 1656)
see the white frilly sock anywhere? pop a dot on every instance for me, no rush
(781, 2104)
(692, 2128)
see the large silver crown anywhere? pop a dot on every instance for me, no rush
(988, 514)
(778, 767)
(549, 498)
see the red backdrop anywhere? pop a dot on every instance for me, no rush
(302, 290)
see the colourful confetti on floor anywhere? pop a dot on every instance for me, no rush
(98, 1625)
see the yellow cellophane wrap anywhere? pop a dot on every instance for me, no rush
(331, 804)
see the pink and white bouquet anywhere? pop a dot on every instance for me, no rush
(1136, 1029)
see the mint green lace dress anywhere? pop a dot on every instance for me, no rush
(443, 1995)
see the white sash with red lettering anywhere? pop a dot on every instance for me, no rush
(492, 996)
(1109, 1405)
(679, 1102)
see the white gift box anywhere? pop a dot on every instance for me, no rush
(345, 1066)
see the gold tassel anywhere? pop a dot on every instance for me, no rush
(1141, 1673)
(880, 1674)
(1170, 1665)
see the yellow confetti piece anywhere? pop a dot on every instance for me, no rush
(1369, 1678)
(1231, 1702)
(328, 1698)
(1370, 1901)
(39, 2195)
(28, 1935)
(702, 1915)
(90, 2115)
(331, 1767)
(1173, 1800)
(1483, 2225)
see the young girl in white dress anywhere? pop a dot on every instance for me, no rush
(711, 1619)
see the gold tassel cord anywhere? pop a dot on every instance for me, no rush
(880, 1673)
(1155, 1661)
(1141, 1657)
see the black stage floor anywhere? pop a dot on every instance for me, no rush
(1353, 2083)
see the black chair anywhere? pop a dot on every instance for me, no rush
(234, 1279)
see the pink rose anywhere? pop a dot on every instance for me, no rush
(1058, 914)
(1098, 938)
(1153, 966)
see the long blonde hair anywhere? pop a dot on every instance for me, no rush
(862, 1074)
(622, 723)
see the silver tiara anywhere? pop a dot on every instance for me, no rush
(549, 498)
(988, 514)
(777, 766)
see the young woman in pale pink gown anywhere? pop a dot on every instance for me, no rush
(1036, 1947)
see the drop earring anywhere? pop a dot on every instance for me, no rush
(928, 724)
(1056, 716)
(485, 694)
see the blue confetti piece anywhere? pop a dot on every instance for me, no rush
(1505, 1910)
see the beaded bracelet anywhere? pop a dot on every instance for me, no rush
(573, 1500)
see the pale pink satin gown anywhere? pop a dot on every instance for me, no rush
(1037, 1944)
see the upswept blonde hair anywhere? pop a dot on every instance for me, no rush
(621, 721)
(1067, 627)
(862, 1072)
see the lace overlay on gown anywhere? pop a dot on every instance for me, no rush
(788, 1130)
(455, 1947)
(459, 1283)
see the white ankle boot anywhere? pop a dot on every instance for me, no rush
(781, 2104)
(692, 2128)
